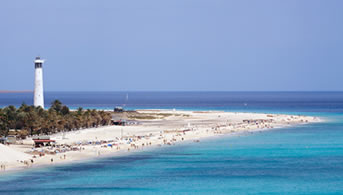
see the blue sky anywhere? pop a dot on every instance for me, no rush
(265, 45)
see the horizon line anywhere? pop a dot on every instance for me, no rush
(127, 91)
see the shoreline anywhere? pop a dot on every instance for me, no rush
(157, 133)
(127, 153)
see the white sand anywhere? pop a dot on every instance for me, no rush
(158, 132)
(10, 155)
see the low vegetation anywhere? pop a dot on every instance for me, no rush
(32, 120)
(151, 116)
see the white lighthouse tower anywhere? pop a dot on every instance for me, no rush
(38, 99)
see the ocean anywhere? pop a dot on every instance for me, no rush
(305, 159)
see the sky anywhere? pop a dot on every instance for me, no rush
(173, 45)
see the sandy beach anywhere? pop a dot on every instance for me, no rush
(167, 128)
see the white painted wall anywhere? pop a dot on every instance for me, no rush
(38, 92)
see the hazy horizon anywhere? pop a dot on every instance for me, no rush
(128, 91)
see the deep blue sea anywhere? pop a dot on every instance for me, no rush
(306, 159)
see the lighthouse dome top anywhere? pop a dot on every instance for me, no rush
(38, 60)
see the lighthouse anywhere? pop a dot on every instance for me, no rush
(38, 99)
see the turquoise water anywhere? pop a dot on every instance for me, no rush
(306, 159)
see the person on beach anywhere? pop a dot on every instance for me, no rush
(52, 160)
